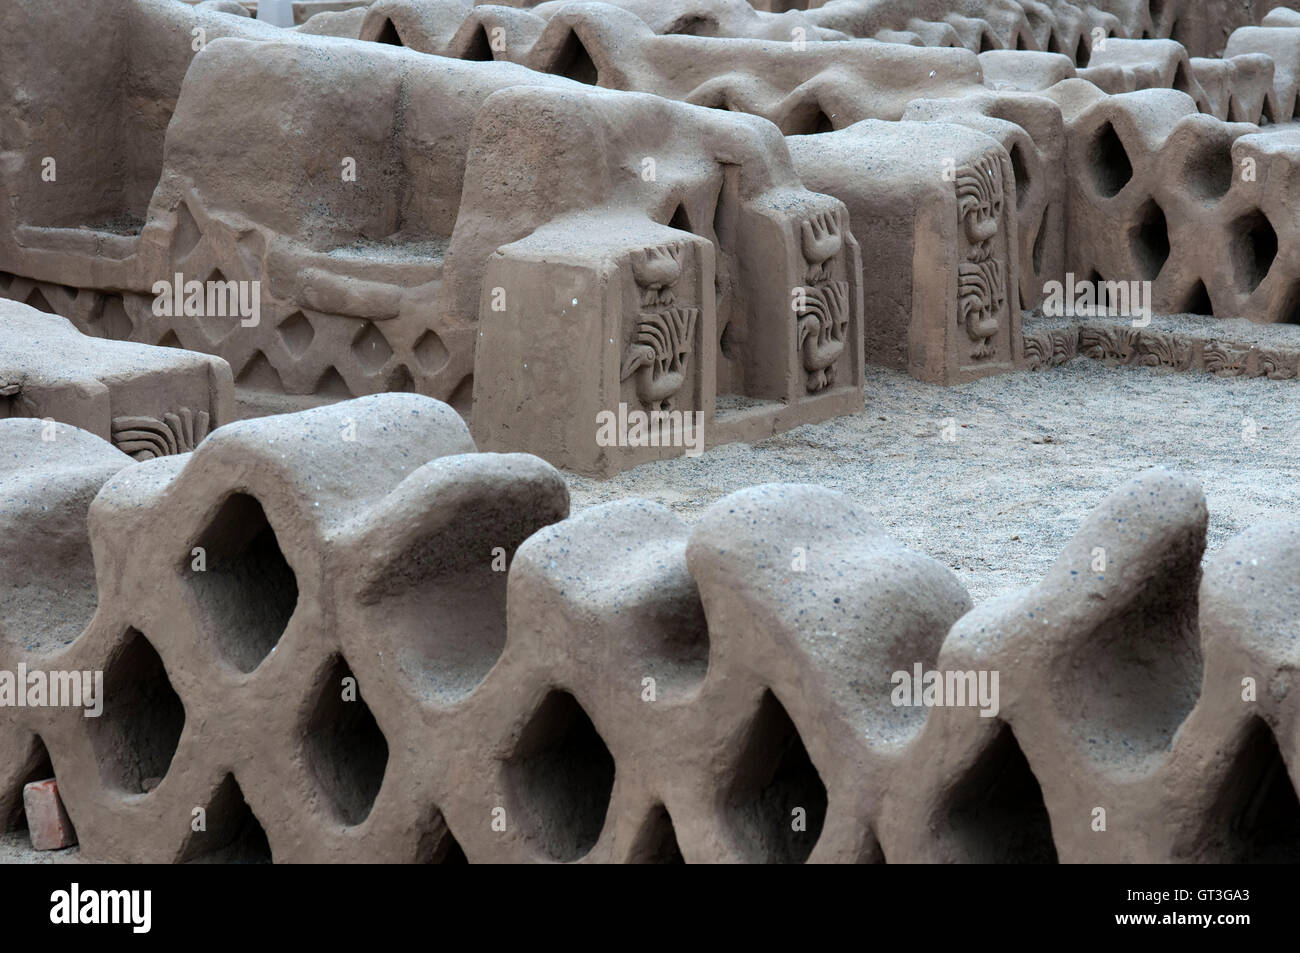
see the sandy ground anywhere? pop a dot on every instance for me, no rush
(15, 848)
(1033, 454)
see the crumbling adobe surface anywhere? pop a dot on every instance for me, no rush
(150, 402)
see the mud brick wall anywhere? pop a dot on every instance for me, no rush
(402, 650)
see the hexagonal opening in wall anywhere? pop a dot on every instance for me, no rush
(1253, 242)
(140, 728)
(1111, 167)
(995, 813)
(561, 779)
(345, 749)
(1149, 240)
(776, 802)
(245, 589)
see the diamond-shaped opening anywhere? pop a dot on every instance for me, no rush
(140, 728)
(871, 852)
(561, 778)
(656, 841)
(680, 219)
(220, 308)
(1256, 815)
(332, 384)
(232, 833)
(480, 47)
(995, 814)
(776, 802)
(170, 340)
(245, 589)
(297, 333)
(1082, 53)
(437, 844)
(727, 343)
(1040, 243)
(1208, 169)
(258, 374)
(1289, 312)
(113, 321)
(431, 352)
(371, 348)
(400, 379)
(574, 62)
(345, 749)
(462, 397)
(1021, 173)
(1129, 686)
(1111, 168)
(1266, 112)
(1149, 240)
(186, 235)
(35, 766)
(38, 301)
(1197, 300)
(1254, 246)
(388, 34)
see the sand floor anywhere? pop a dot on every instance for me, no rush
(1033, 454)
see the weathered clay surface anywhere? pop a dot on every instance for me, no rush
(149, 401)
(616, 687)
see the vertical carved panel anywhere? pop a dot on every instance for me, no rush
(658, 357)
(822, 304)
(981, 277)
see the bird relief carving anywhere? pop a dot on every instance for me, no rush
(659, 354)
(822, 305)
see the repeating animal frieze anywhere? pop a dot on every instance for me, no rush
(981, 278)
(822, 303)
